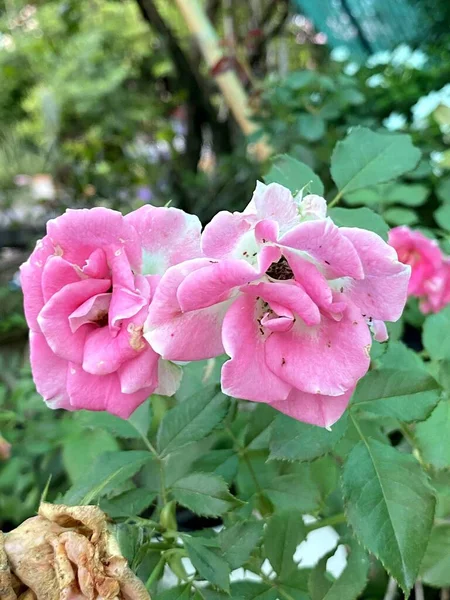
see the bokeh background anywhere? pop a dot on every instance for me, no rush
(110, 103)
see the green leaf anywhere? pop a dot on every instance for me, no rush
(294, 491)
(128, 504)
(107, 472)
(207, 561)
(389, 193)
(103, 420)
(141, 418)
(295, 586)
(432, 437)
(360, 217)
(414, 194)
(83, 448)
(300, 79)
(442, 217)
(310, 127)
(204, 494)
(294, 175)
(402, 357)
(260, 426)
(192, 419)
(390, 505)
(283, 534)
(436, 334)
(325, 474)
(238, 541)
(223, 463)
(366, 158)
(443, 190)
(181, 592)
(400, 216)
(351, 582)
(293, 440)
(407, 395)
(435, 568)
(251, 590)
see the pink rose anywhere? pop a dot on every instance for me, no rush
(289, 297)
(430, 270)
(87, 288)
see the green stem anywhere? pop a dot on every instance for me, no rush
(331, 520)
(336, 199)
(243, 452)
(155, 573)
(161, 466)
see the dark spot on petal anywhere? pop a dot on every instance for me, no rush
(327, 262)
(283, 362)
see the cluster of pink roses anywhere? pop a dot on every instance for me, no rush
(288, 295)
(430, 268)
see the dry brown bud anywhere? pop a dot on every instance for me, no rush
(65, 553)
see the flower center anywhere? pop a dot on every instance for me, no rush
(102, 318)
(280, 270)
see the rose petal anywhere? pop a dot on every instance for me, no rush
(213, 283)
(56, 274)
(290, 295)
(246, 375)
(229, 235)
(175, 335)
(31, 281)
(323, 241)
(326, 359)
(383, 291)
(169, 378)
(168, 236)
(139, 372)
(102, 392)
(49, 372)
(78, 233)
(315, 409)
(54, 318)
(275, 202)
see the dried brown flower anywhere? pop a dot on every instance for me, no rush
(65, 553)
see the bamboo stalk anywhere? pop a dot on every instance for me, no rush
(228, 82)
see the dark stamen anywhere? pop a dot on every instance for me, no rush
(280, 270)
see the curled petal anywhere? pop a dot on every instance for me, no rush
(214, 283)
(247, 375)
(288, 295)
(176, 335)
(54, 317)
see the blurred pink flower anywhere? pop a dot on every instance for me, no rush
(430, 269)
(87, 288)
(289, 296)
